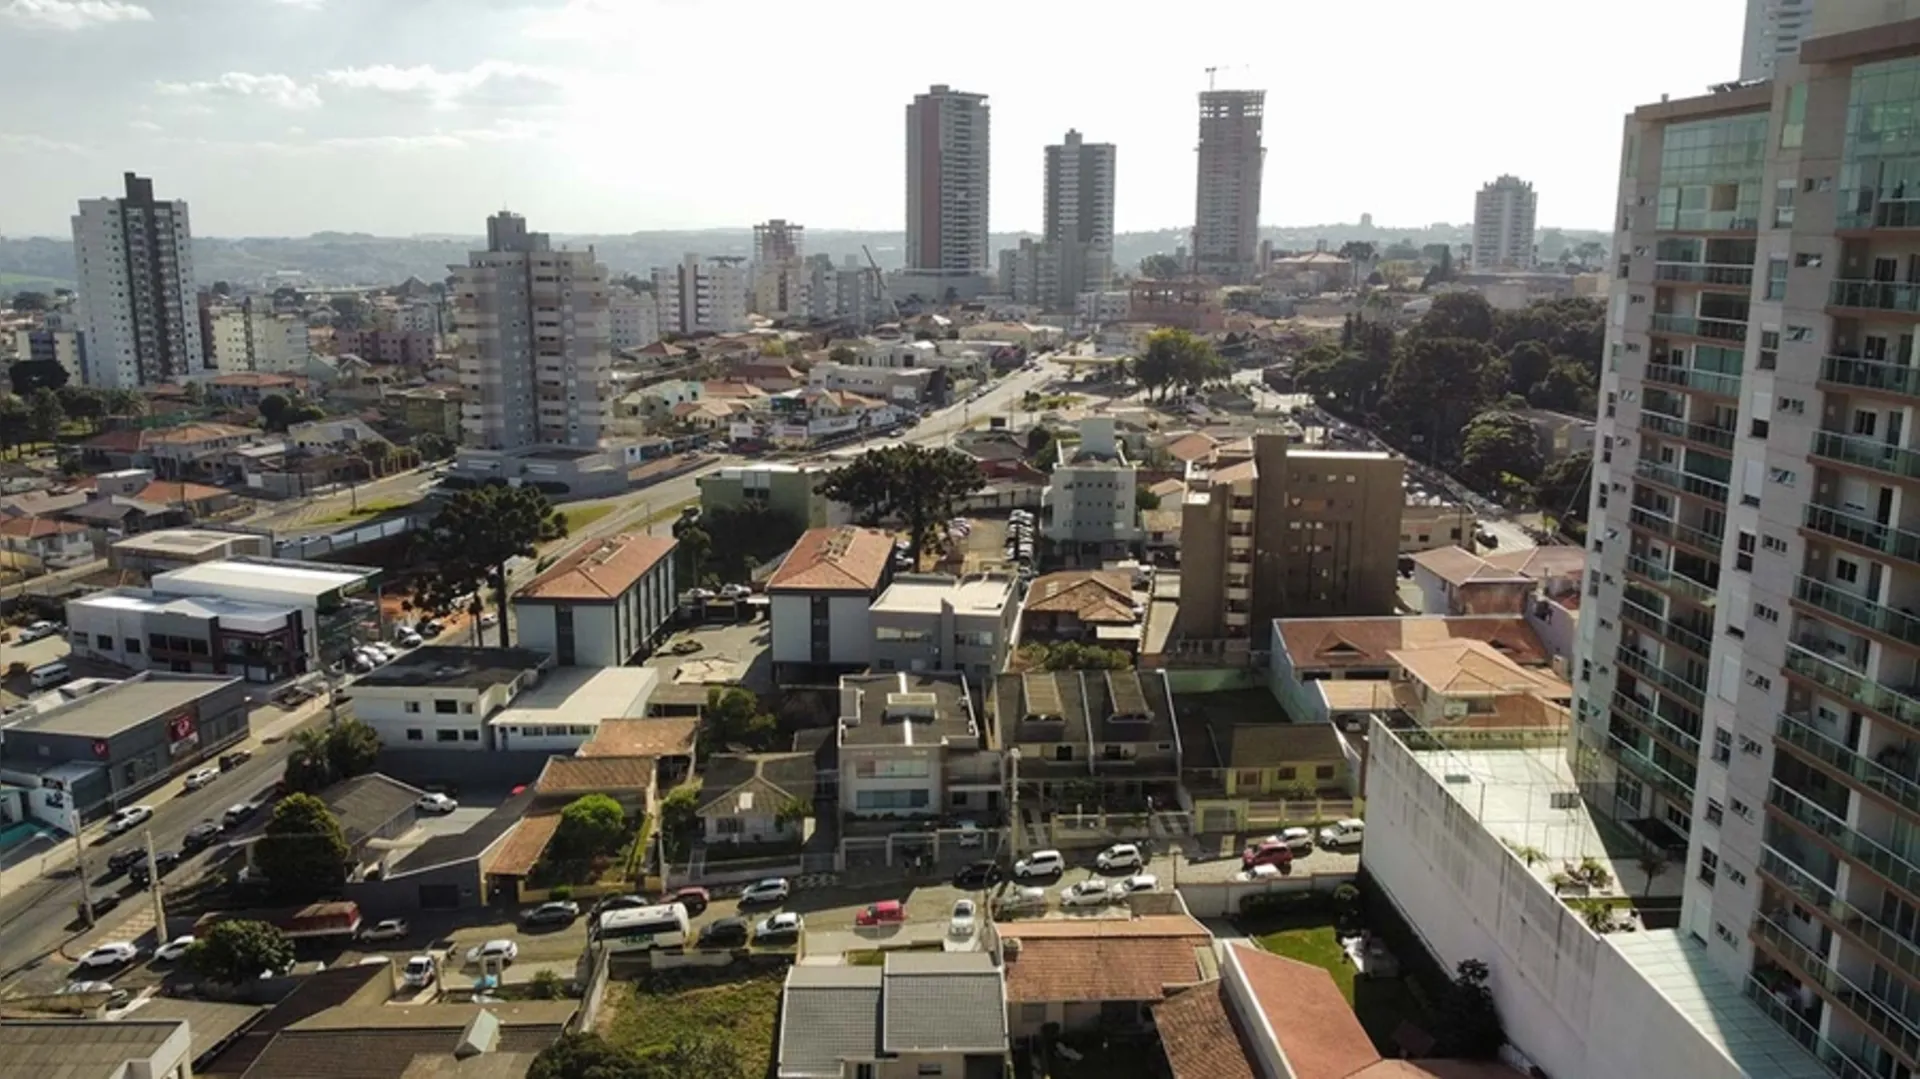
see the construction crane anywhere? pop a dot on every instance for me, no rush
(881, 280)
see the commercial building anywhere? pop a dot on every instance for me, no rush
(444, 697)
(134, 264)
(1755, 698)
(535, 353)
(1226, 219)
(933, 622)
(252, 337)
(1772, 35)
(785, 488)
(602, 604)
(895, 734)
(1079, 215)
(96, 1049)
(1090, 505)
(820, 598)
(1503, 217)
(112, 742)
(948, 167)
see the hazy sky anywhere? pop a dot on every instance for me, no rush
(283, 117)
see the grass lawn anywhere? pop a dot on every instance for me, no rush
(366, 509)
(579, 519)
(1380, 1004)
(741, 1011)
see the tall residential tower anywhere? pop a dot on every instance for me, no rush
(1772, 37)
(1503, 216)
(133, 259)
(947, 175)
(1079, 214)
(1226, 220)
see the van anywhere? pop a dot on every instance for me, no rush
(51, 674)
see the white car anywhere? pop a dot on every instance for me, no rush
(1086, 893)
(1041, 863)
(735, 591)
(436, 803)
(1139, 882)
(127, 819)
(1262, 872)
(174, 950)
(408, 639)
(418, 972)
(780, 927)
(112, 954)
(1119, 856)
(1022, 899)
(765, 892)
(966, 919)
(502, 951)
(385, 929)
(1299, 839)
(970, 835)
(1344, 833)
(38, 631)
(202, 777)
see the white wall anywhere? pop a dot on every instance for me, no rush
(533, 627)
(850, 634)
(792, 618)
(1433, 590)
(385, 709)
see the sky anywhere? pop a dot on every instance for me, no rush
(400, 117)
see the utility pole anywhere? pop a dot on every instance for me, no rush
(80, 869)
(159, 903)
(1013, 802)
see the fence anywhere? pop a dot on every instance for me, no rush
(1219, 899)
(1078, 830)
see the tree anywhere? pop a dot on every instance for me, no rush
(1565, 486)
(1590, 252)
(376, 453)
(350, 311)
(697, 1055)
(1146, 498)
(585, 1056)
(468, 543)
(1038, 440)
(1467, 1022)
(15, 421)
(920, 486)
(773, 348)
(794, 811)
(273, 411)
(1653, 862)
(44, 414)
(1175, 357)
(1160, 267)
(433, 446)
(1358, 252)
(1527, 363)
(842, 354)
(125, 403)
(1567, 387)
(1458, 314)
(680, 818)
(1435, 387)
(1501, 452)
(1074, 656)
(591, 825)
(303, 852)
(30, 301)
(30, 375)
(236, 951)
(323, 756)
(83, 403)
(734, 718)
(1347, 379)
(1441, 272)
(696, 549)
(741, 537)
(221, 288)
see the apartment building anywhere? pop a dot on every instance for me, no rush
(780, 277)
(895, 734)
(535, 356)
(1079, 216)
(68, 348)
(1268, 530)
(133, 259)
(820, 598)
(603, 604)
(853, 291)
(781, 486)
(1503, 218)
(1757, 562)
(948, 165)
(635, 319)
(933, 622)
(1226, 221)
(252, 337)
(701, 295)
(1090, 506)
(1773, 31)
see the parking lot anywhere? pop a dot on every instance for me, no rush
(727, 652)
(30, 655)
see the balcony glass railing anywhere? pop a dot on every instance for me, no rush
(1694, 273)
(1665, 628)
(1670, 581)
(1867, 453)
(1644, 766)
(1863, 532)
(1685, 482)
(1656, 724)
(1693, 378)
(1841, 1064)
(1799, 732)
(1875, 296)
(1858, 610)
(1872, 374)
(1862, 1004)
(1719, 438)
(1645, 669)
(1853, 686)
(1717, 329)
(1810, 891)
(1903, 873)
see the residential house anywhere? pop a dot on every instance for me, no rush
(1113, 728)
(1238, 772)
(244, 389)
(756, 797)
(933, 622)
(1089, 508)
(1000, 453)
(629, 781)
(603, 604)
(1455, 581)
(333, 435)
(669, 740)
(195, 499)
(390, 1041)
(920, 1014)
(770, 375)
(821, 596)
(173, 452)
(1307, 651)
(897, 733)
(712, 415)
(1471, 684)
(900, 385)
(38, 544)
(441, 695)
(1428, 521)
(1092, 606)
(1559, 434)
(1092, 973)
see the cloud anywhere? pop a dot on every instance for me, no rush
(296, 144)
(305, 5)
(147, 126)
(280, 90)
(39, 144)
(489, 83)
(71, 14)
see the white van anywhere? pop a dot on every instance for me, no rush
(50, 674)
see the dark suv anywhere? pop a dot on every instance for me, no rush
(979, 875)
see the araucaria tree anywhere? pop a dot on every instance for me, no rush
(467, 545)
(918, 486)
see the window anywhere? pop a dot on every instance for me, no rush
(1709, 866)
(413, 707)
(1740, 809)
(1776, 277)
(1846, 571)
(413, 734)
(930, 1069)
(1765, 613)
(446, 708)
(1738, 878)
(1247, 777)
(1799, 333)
(1794, 405)
(1284, 775)
(1760, 428)
(1722, 745)
(1793, 124)
(133, 646)
(1774, 544)
(103, 640)
(1033, 1013)
(446, 736)
(885, 800)
(1783, 476)
(1769, 349)
(1720, 930)
(469, 736)
(1807, 259)
(1743, 558)
(1783, 203)
(1747, 745)
(1714, 813)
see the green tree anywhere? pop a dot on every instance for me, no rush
(1146, 499)
(323, 756)
(1160, 267)
(468, 543)
(1565, 486)
(16, 421)
(221, 288)
(126, 403)
(586, 1056)
(1358, 252)
(30, 375)
(44, 414)
(842, 354)
(273, 411)
(1501, 452)
(735, 718)
(696, 550)
(83, 403)
(1590, 252)
(303, 852)
(1074, 656)
(1571, 327)
(1348, 380)
(1038, 441)
(1527, 364)
(591, 826)
(680, 819)
(794, 811)
(236, 951)
(697, 1055)
(433, 446)
(1458, 314)
(1435, 387)
(1467, 1022)
(742, 537)
(350, 311)
(1566, 387)
(1174, 357)
(30, 301)
(376, 453)
(919, 486)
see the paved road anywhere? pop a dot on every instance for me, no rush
(308, 516)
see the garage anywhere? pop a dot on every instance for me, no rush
(439, 897)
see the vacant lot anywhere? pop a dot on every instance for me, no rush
(1381, 1004)
(648, 1017)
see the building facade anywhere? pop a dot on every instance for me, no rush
(1503, 218)
(254, 338)
(68, 348)
(603, 604)
(701, 295)
(635, 319)
(1226, 220)
(134, 264)
(1079, 216)
(535, 341)
(1774, 29)
(1090, 502)
(948, 166)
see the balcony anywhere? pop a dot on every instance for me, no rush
(1863, 532)
(1858, 610)
(1817, 895)
(1695, 273)
(1240, 516)
(1703, 541)
(1798, 808)
(1644, 766)
(1239, 593)
(1666, 579)
(1718, 438)
(1239, 543)
(1685, 482)
(1840, 1064)
(1644, 669)
(1897, 379)
(1857, 1002)
(1867, 453)
(1655, 725)
(1664, 628)
(1693, 378)
(1852, 686)
(1713, 329)
(1802, 735)
(1875, 296)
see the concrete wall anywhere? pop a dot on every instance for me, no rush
(1219, 899)
(500, 769)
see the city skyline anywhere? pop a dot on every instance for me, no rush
(288, 118)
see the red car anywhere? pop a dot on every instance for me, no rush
(1271, 851)
(696, 900)
(885, 912)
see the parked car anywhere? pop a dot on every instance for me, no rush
(1119, 856)
(230, 761)
(122, 860)
(1086, 893)
(735, 591)
(39, 631)
(1268, 851)
(977, 876)
(1344, 833)
(1300, 839)
(766, 892)
(201, 777)
(201, 835)
(885, 912)
(386, 929)
(1139, 882)
(436, 803)
(418, 973)
(1262, 872)
(559, 912)
(725, 933)
(165, 861)
(128, 818)
(502, 951)
(1041, 863)
(174, 950)
(970, 835)
(696, 900)
(112, 954)
(782, 928)
(237, 813)
(965, 920)
(408, 639)
(618, 902)
(1021, 900)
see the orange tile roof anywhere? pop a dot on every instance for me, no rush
(1542, 562)
(525, 844)
(1100, 959)
(843, 558)
(1457, 565)
(585, 775)
(1199, 1038)
(601, 570)
(1364, 642)
(664, 737)
(189, 433)
(1314, 1024)
(1192, 446)
(1474, 668)
(36, 527)
(1091, 595)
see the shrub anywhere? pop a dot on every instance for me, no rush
(1266, 904)
(545, 986)
(560, 893)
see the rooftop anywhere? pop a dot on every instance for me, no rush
(942, 1002)
(182, 541)
(839, 559)
(443, 848)
(400, 1042)
(1680, 971)
(1100, 959)
(665, 737)
(89, 1049)
(907, 709)
(455, 667)
(930, 593)
(309, 579)
(600, 570)
(576, 695)
(1471, 668)
(232, 613)
(1083, 707)
(828, 1015)
(1458, 566)
(740, 784)
(1095, 596)
(129, 703)
(586, 775)
(37, 527)
(1314, 643)
(365, 804)
(524, 845)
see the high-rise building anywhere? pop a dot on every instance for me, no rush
(1226, 220)
(778, 240)
(1749, 674)
(134, 262)
(780, 278)
(1503, 216)
(947, 174)
(252, 337)
(535, 356)
(1773, 32)
(1079, 215)
(635, 318)
(702, 295)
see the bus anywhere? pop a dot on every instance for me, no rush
(640, 929)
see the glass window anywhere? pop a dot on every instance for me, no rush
(1776, 277)
(1783, 204)
(1793, 126)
